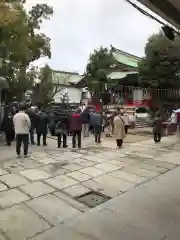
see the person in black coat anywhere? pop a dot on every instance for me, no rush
(41, 125)
(61, 130)
(8, 127)
(32, 115)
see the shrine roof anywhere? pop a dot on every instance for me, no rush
(120, 75)
(125, 58)
(65, 78)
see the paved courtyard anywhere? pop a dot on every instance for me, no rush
(41, 193)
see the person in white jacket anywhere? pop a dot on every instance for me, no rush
(22, 124)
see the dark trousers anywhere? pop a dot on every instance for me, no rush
(9, 137)
(39, 139)
(157, 137)
(31, 133)
(59, 137)
(97, 133)
(126, 129)
(74, 134)
(119, 142)
(22, 138)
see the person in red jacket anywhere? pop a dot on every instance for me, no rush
(75, 126)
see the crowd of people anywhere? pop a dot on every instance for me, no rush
(21, 124)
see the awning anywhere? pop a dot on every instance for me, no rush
(120, 75)
(3, 83)
(167, 9)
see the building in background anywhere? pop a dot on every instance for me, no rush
(67, 87)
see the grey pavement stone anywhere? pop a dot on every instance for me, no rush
(160, 164)
(46, 160)
(92, 171)
(152, 168)
(53, 170)
(175, 159)
(128, 176)
(3, 187)
(84, 163)
(95, 158)
(81, 177)
(107, 167)
(141, 172)
(116, 183)
(76, 190)
(13, 180)
(61, 182)
(20, 223)
(107, 225)
(72, 166)
(62, 232)
(72, 202)
(102, 187)
(51, 208)
(3, 237)
(118, 163)
(37, 155)
(37, 189)
(35, 174)
(12, 197)
(3, 172)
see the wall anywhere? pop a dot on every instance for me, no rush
(74, 94)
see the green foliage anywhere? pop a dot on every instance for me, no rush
(22, 43)
(97, 69)
(46, 87)
(161, 65)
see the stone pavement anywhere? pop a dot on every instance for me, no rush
(39, 195)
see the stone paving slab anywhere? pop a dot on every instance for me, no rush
(93, 171)
(71, 173)
(46, 160)
(73, 167)
(51, 208)
(35, 174)
(54, 169)
(13, 180)
(61, 232)
(157, 169)
(3, 187)
(11, 197)
(128, 176)
(140, 172)
(102, 188)
(76, 190)
(119, 184)
(20, 222)
(61, 182)
(37, 189)
(107, 167)
(3, 172)
(81, 177)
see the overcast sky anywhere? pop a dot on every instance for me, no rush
(79, 26)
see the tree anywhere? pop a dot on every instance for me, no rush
(8, 13)
(161, 65)
(22, 44)
(43, 89)
(97, 69)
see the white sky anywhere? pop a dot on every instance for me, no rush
(79, 26)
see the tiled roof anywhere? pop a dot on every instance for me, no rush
(65, 78)
(120, 75)
(125, 58)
